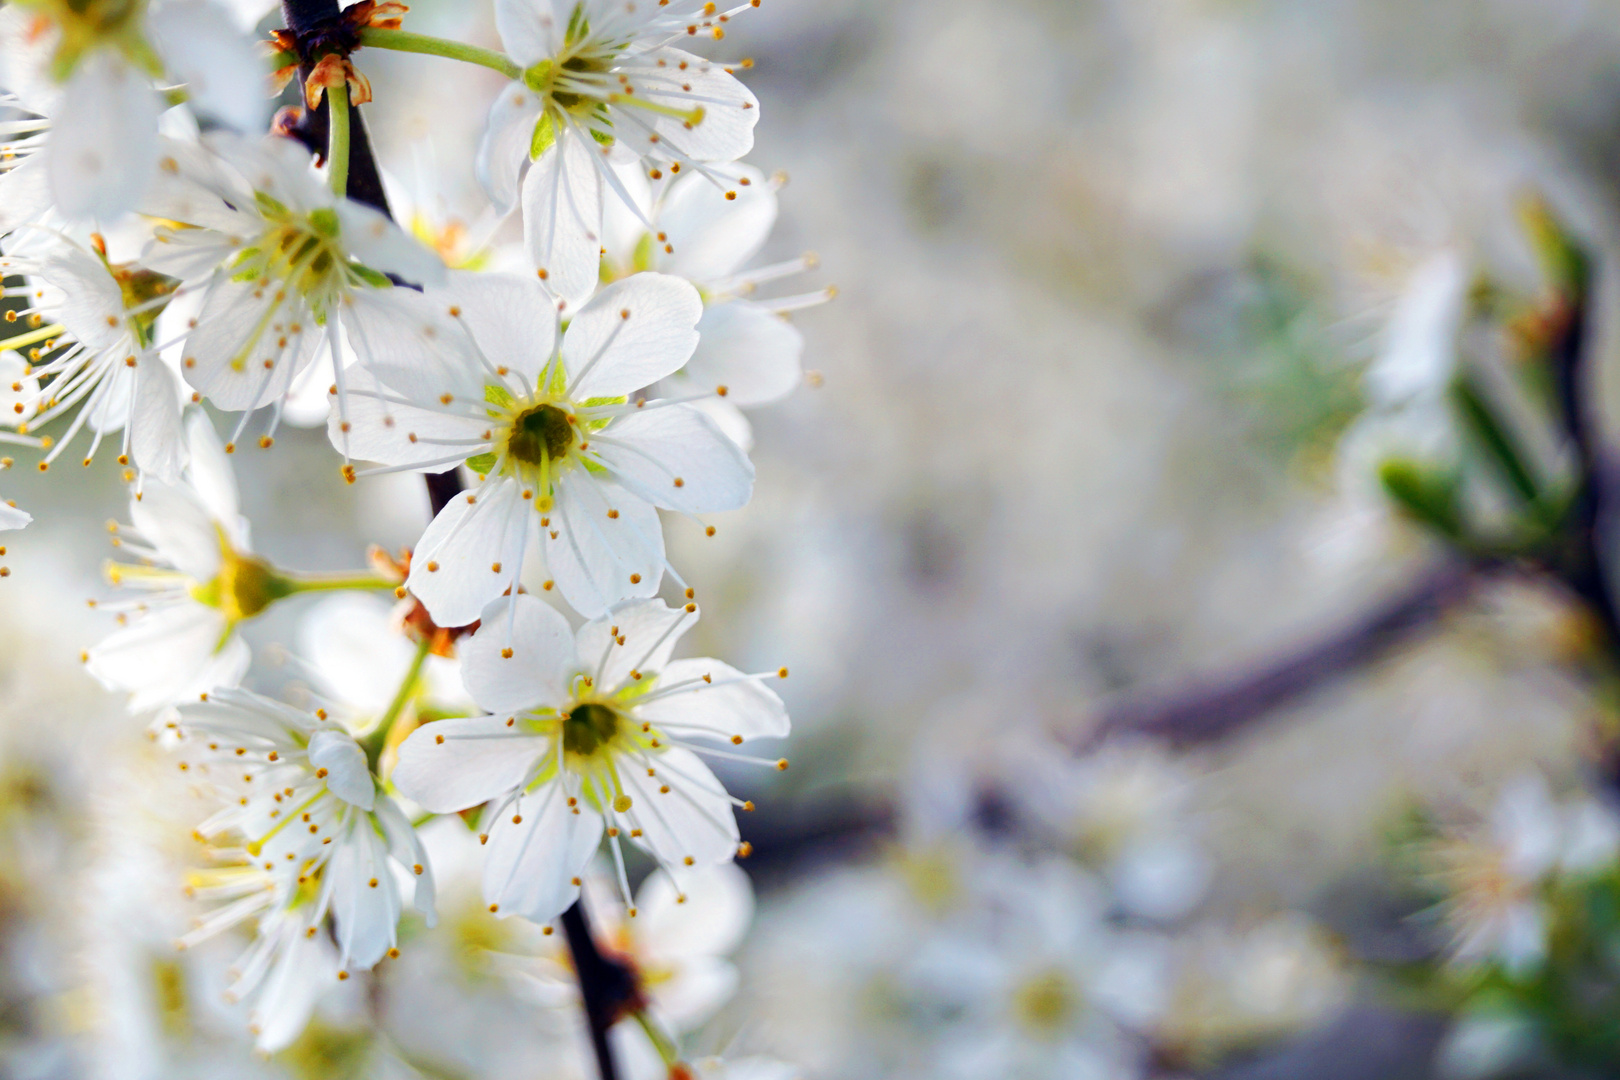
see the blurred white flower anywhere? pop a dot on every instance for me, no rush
(542, 416)
(356, 653)
(601, 83)
(1042, 986)
(1237, 987)
(677, 944)
(89, 69)
(104, 364)
(595, 733)
(747, 352)
(748, 1068)
(283, 263)
(1126, 811)
(314, 834)
(1494, 878)
(197, 580)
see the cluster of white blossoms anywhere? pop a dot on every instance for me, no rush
(163, 253)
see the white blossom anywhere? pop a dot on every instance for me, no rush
(542, 415)
(601, 83)
(748, 352)
(89, 70)
(677, 943)
(102, 362)
(589, 732)
(308, 816)
(197, 580)
(283, 262)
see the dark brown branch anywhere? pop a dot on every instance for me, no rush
(1212, 708)
(607, 987)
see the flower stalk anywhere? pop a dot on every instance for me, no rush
(406, 41)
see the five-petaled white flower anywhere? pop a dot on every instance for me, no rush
(590, 732)
(283, 260)
(601, 83)
(543, 416)
(99, 357)
(85, 68)
(198, 580)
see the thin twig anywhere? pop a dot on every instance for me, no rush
(1212, 708)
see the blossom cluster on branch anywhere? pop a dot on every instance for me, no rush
(167, 262)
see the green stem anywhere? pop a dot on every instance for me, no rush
(297, 583)
(407, 687)
(661, 1041)
(405, 41)
(282, 59)
(337, 155)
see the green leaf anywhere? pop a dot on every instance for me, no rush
(1430, 495)
(1480, 417)
(545, 134)
(498, 395)
(482, 464)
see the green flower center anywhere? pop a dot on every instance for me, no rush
(588, 728)
(539, 434)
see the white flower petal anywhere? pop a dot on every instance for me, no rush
(471, 552)
(592, 558)
(373, 238)
(25, 192)
(347, 774)
(713, 236)
(479, 759)
(168, 656)
(562, 216)
(728, 705)
(690, 820)
(92, 306)
(103, 147)
(365, 898)
(531, 865)
(204, 48)
(305, 968)
(175, 522)
(718, 907)
(675, 457)
(748, 349)
(730, 111)
(357, 655)
(156, 438)
(407, 847)
(394, 434)
(694, 992)
(541, 663)
(249, 345)
(608, 354)
(528, 30)
(650, 628)
(12, 518)
(510, 317)
(208, 472)
(505, 144)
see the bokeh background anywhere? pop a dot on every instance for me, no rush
(1078, 433)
